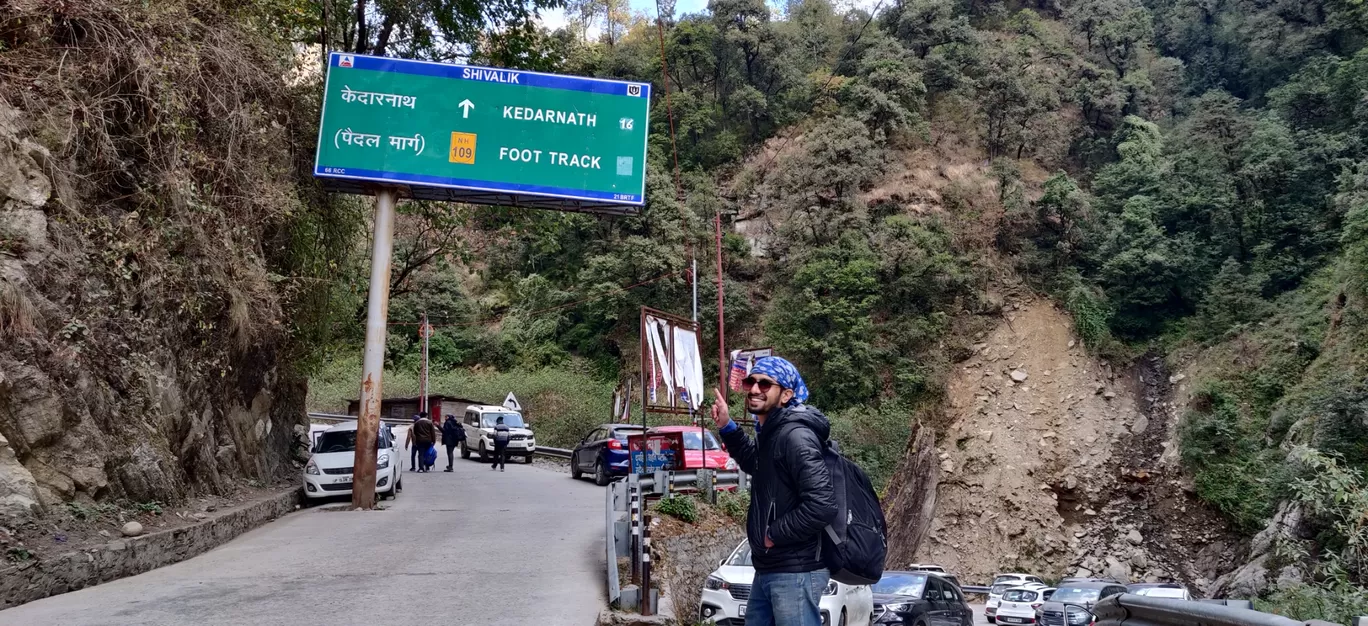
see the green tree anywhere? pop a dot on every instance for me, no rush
(1233, 299)
(823, 322)
(1145, 274)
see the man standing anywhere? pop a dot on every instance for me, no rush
(501, 437)
(792, 495)
(413, 449)
(423, 434)
(452, 435)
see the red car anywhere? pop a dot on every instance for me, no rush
(696, 439)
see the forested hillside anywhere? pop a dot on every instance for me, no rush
(1186, 178)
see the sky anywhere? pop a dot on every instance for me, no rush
(556, 18)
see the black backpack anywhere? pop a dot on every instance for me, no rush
(855, 543)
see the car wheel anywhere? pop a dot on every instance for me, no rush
(575, 472)
(992, 620)
(527, 460)
(843, 618)
(465, 452)
(484, 456)
(600, 475)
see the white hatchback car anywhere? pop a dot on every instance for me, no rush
(1001, 583)
(329, 471)
(728, 588)
(1021, 605)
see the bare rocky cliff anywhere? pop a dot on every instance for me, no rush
(1055, 463)
(148, 203)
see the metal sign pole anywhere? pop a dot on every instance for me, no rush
(373, 365)
(427, 332)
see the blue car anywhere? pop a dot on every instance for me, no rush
(603, 453)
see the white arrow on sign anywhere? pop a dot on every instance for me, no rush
(466, 106)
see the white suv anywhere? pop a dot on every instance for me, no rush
(728, 588)
(329, 471)
(479, 424)
(1002, 583)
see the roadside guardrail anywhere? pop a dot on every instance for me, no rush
(976, 589)
(1136, 610)
(555, 453)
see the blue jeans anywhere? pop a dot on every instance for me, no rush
(786, 599)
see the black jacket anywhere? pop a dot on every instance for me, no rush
(452, 432)
(792, 496)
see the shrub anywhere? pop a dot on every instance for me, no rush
(734, 504)
(1231, 469)
(681, 507)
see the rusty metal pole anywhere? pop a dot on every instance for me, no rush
(373, 364)
(721, 325)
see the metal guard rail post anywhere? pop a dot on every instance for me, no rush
(614, 585)
(555, 453)
(1135, 610)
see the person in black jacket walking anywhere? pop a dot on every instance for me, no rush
(792, 494)
(501, 439)
(452, 435)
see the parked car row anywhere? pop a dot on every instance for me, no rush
(603, 453)
(1022, 599)
(920, 597)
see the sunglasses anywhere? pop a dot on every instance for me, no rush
(764, 385)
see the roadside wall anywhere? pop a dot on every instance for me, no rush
(34, 580)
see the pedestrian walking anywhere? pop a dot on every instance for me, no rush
(423, 434)
(501, 437)
(452, 435)
(792, 494)
(413, 449)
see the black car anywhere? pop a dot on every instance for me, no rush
(919, 599)
(1072, 602)
(603, 452)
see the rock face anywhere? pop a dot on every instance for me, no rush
(911, 497)
(1057, 473)
(1026, 428)
(129, 360)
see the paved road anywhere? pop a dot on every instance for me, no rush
(471, 547)
(980, 619)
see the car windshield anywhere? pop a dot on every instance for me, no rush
(1001, 587)
(901, 584)
(621, 434)
(741, 557)
(511, 420)
(342, 441)
(693, 440)
(1019, 595)
(1076, 594)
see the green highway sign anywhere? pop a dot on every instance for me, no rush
(483, 135)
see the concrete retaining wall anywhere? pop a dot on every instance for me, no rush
(26, 582)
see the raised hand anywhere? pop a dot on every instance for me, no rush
(719, 409)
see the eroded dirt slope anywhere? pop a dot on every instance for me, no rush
(1051, 464)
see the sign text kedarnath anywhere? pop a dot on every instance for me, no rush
(514, 133)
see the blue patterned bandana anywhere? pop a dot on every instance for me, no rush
(785, 374)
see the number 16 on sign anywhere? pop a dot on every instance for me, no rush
(462, 148)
